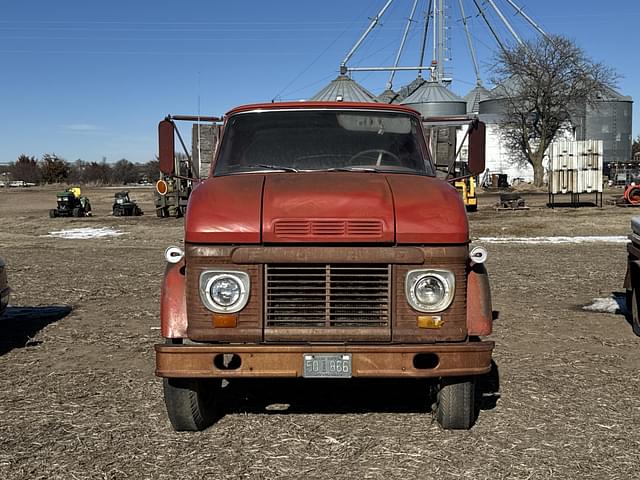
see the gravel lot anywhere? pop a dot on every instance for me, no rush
(78, 397)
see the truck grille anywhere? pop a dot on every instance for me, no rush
(293, 228)
(312, 296)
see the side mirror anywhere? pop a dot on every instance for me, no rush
(477, 147)
(167, 151)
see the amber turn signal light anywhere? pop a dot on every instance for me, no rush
(224, 321)
(162, 187)
(430, 321)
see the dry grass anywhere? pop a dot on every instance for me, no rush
(82, 402)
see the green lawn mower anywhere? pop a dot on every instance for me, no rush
(123, 206)
(71, 203)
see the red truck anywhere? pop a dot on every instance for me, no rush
(323, 245)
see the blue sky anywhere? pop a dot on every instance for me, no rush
(86, 79)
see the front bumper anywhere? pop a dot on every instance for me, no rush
(445, 359)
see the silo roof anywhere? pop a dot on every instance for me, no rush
(388, 96)
(407, 90)
(510, 86)
(344, 89)
(474, 97)
(505, 88)
(432, 92)
(613, 95)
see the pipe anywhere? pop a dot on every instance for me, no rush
(470, 44)
(404, 39)
(505, 21)
(373, 23)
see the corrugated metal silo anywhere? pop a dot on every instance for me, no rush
(344, 89)
(388, 96)
(609, 120)
(474, 97)
(407, 90)
(494, 102)
(433, 99)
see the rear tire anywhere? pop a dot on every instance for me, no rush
(455, 408)
(635, 312)
(192, 404)
(77, 212)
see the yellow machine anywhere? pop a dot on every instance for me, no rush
(76, 191)
(467, 188)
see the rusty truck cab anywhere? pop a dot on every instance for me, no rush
(323, 245)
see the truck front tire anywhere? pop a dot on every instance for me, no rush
(635, 311)
(455, 407)
(192, 404)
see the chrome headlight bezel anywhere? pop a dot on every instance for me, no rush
(447, 278)
(210, 276)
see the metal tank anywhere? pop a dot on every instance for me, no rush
(609, 120)
(432, 99)
(494, 103)
(474, 97)
(410, 88)
(388, 96)
(344, 89)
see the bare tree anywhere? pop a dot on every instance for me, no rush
(124, 171)
(25, 169)
(151, 170)
(54, 169)
(635, 147)
(545, 84)
(98, 173)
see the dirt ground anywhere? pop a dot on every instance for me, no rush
(78, 397)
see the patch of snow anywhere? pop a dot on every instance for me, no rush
(555, 240)
(615, 304)
(84, 233)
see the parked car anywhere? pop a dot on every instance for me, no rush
(4, 287)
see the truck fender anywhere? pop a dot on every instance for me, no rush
(173, 302)
(479, 308)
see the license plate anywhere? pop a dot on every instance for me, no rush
(327, 365)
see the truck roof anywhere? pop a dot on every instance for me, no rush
(323, 105)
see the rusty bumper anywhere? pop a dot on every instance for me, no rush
(440, 360)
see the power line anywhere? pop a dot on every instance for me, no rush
(308, 67)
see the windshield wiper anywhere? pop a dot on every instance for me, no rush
(354, 169)
(276, 167)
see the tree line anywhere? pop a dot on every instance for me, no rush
(53, 169)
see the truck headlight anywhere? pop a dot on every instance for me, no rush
(430, 290)
(224, 291)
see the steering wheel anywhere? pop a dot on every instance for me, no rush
(380, 153)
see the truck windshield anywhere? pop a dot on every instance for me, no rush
(293, 141)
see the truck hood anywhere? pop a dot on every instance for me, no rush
(325, 207)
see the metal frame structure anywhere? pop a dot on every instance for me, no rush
(436, 18)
